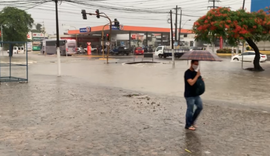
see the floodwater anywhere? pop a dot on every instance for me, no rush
(86, 113)
(225, 81)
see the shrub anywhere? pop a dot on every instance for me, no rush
(235, 51)
(227, 50)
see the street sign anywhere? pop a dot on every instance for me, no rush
(115, 27)
(122, 43)
(85, 30)
(107, 43)
(37, 38)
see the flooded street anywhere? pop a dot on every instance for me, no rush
(96, 109)
(225, 80)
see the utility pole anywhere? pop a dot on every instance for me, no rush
(57, 39)
(180, 28)
(176, 19)
(43, 34)
(213, 38)
(175, 31)
(214, 3)
(243, 7)
(2, 39)
(243, 43)
(173, 61)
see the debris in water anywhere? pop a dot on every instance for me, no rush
(187, 150)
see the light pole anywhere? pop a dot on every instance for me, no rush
(110, 21)
(243, 43)
(2, 39)
(172, 45)
(57, 39)
(43, 30)
(75, 29)
(186, 22)
(181, 29)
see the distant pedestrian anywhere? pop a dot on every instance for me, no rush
(194, 87)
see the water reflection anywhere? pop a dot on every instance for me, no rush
(225, 80)
(192, 143)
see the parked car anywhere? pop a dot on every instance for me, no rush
(17, 50)
(92, 49)
(120, 51)
(138, 51)
(249, 57)
(81, 50)
(198, 48)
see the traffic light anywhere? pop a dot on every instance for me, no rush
(84, 14)
(108, 37)
(97, 12)
(116, 23)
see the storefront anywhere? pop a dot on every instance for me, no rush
(127, 36)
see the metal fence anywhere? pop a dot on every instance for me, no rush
(13, 62)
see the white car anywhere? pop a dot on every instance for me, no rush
(249, 57)
(92, 49)
(17, 50)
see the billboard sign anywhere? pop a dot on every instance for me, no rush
(38, 35)
(29, 36)
(37, 38)
(85, 30)
(115, 27)
(257, 5)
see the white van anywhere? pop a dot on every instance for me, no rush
(17, 50)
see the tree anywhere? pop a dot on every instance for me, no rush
(39, 27)
(235, 26)
(16, 24)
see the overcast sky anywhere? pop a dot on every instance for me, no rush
(70, 13)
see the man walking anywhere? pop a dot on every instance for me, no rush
(191, 94)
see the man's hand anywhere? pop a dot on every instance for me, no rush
(193, 81)
(198, 73)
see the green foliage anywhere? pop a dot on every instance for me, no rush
(227, 50)
(16, 24)
(39, 27)
(248, 48)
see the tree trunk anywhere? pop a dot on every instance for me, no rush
(237, 49)
(213, 47)
(256, 62)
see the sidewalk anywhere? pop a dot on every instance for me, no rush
(69, 117)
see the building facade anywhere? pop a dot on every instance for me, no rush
(257, 5)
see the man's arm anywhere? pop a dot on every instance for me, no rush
(193, 81)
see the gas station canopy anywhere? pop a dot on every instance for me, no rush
(127, 29)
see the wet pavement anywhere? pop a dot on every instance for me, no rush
(87, 110)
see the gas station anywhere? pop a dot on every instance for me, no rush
(126, 36)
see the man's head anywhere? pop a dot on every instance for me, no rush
(194, 64)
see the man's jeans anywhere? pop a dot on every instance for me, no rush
(192, 115)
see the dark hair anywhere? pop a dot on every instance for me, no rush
(193, 61)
